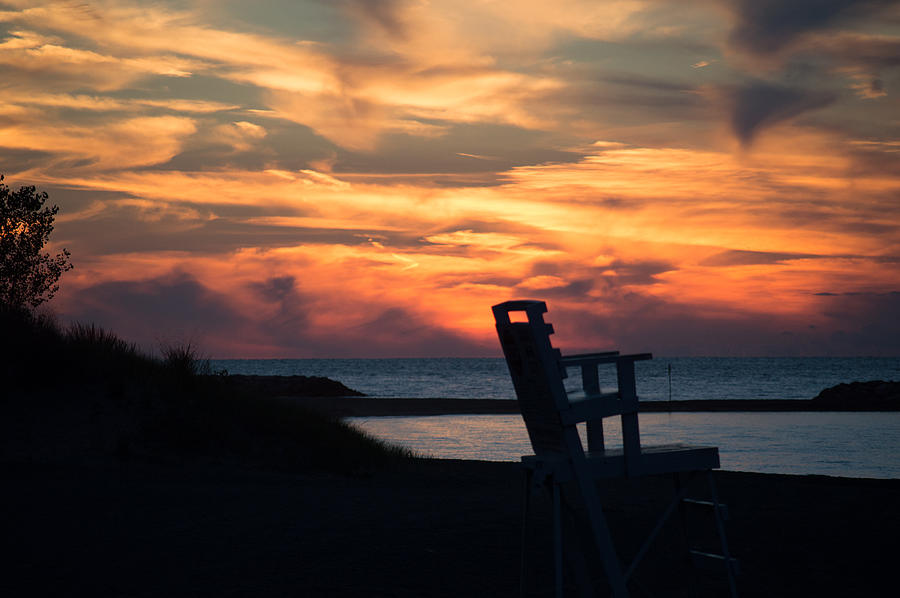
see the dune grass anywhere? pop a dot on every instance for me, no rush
(166, 407)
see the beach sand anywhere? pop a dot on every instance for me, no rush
(428, 528)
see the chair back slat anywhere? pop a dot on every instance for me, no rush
(536, 372)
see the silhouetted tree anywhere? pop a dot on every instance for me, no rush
(27, 275)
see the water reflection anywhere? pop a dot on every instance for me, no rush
(838, 444)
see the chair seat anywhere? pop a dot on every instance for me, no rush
(610, 463)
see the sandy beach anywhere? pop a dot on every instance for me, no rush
(129, 527)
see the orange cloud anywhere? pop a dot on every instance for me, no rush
(372, 190)
(659, 223)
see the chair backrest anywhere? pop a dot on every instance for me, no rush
(536, 371)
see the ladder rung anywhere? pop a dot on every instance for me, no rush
(708, 560)
(723, 508)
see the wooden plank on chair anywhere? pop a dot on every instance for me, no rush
(708, 504)
(714, 562)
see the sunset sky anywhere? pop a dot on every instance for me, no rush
(365, 178)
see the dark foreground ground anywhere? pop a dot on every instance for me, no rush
(429, 528)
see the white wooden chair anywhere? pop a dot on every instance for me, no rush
(551, 415)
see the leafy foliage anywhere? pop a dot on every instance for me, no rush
(28, 276)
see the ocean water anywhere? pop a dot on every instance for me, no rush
(839, 444)
(863, 445)
(691, 377)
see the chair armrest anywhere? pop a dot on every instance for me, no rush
(598, 358)
(589, 358)
(636, 357)
(597, 406)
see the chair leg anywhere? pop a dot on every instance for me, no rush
(720, 528)
(557, 541)
(526, 507)
(575, 537)
(602, 538)
(561, 514)
(682, 516)
(660, 522)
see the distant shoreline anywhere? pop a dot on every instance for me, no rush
(335, 399)
(396, 407)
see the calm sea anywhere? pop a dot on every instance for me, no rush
(859, 445)
(840, 444)
(691, 377)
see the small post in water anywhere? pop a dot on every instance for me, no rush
(670, 382)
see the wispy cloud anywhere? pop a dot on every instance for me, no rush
(387, 170)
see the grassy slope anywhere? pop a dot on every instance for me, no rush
(82, 393)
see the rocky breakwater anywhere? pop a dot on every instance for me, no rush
(875, 395)
(290, 386)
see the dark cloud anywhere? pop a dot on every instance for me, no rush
(638, 273)
(738, 257)
(868, 220)
(15, 160)
(480, 225)
(864, 323)
(385, 13)
(287, 145)
(615, 97)
(396, 332)
(766, 26)
(468, 154)
(612, 203)
(130, 229)
(578, 279)
(876, 161)
(177, 307)
(571, 289)
(854, 324)
(757, 105)
(275, 289)
(548, 268)
(649, 83)
(623, 272)
(818, 216)
(634, 322)
(483, 279)
(172, 307)
(871, 51)
(685, 104)
(71, 200)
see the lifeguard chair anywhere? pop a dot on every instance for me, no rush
(559, 461)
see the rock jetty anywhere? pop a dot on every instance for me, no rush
(875, 395)
(291, 386)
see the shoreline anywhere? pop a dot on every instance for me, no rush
(398, 407)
